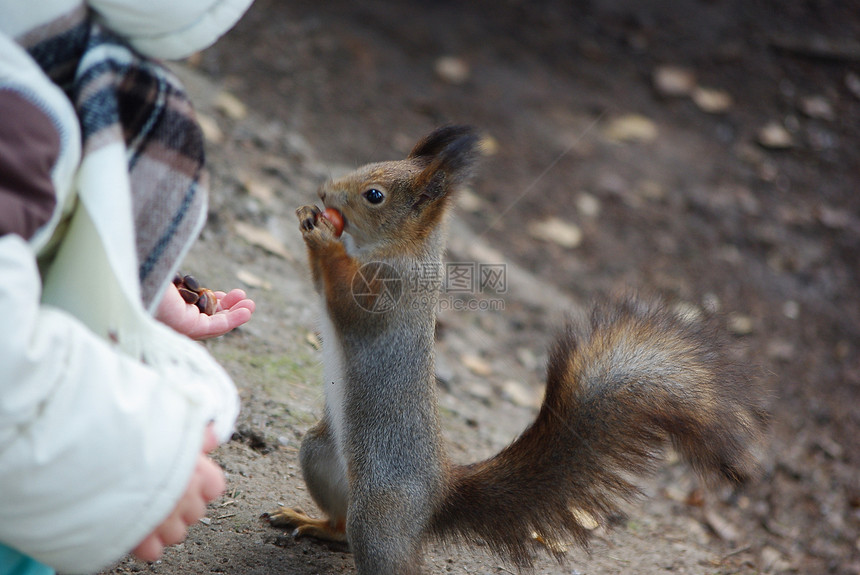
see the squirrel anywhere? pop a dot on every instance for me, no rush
(618, 388)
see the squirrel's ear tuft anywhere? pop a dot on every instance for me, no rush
(439, 139)
(450, 153)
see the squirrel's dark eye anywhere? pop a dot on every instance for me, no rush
(374, 196)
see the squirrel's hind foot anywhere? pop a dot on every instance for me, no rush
(306, 526)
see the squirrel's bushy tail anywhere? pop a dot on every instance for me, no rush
(618, 388)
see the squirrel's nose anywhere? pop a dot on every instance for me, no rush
(321, 193)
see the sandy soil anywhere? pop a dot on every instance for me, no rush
(660, 178)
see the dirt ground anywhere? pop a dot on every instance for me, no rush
(705, 149)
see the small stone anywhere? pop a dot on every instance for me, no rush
(556, 231)
(711, 101)
(674, 81)
(588, 205)
(631, 128)
(775, 137)
(452, 69)
(791, 309)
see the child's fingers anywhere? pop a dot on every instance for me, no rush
(150, 549)
(231, 298)
(210, 440)
(212, 484)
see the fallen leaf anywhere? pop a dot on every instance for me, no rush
(520, 395)
(253, 280)
(556, 231)
(259, 190)
(711, 101)
(552, 545)
(489, 146)
(852, 82)
(775, 137)
(210, 129)
(631, 128)
(740, 324)
(674, 81)
(313, 340)
(469, 200)
(476, 365)
(262, 239)
(781, 350)
(720, 526)
(584, 518)
(230, 106)
(817, 107)
(834, 218)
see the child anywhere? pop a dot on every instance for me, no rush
(106, 413)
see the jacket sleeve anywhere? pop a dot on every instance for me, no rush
(29, 149)
(170, 29)
(95, 448)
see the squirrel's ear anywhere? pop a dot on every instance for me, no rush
(450, 153)
(437, 140)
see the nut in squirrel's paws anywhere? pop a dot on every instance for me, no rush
(317, 228)
(336, 218)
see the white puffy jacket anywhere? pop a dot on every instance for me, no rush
(96, 446)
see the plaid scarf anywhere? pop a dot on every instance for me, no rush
(121, 96)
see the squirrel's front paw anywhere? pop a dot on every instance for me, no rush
(316, 230)
(308, 216)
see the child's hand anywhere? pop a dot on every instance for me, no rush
(233, 310)
(207, 483)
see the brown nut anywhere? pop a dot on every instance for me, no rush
(188, 295)
(207, 302)
(192, 284)
(193, 293)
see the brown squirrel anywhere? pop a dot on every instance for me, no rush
(617, 389)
